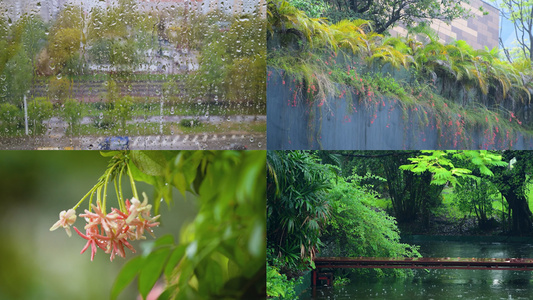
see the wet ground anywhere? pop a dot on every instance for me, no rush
(55, 137)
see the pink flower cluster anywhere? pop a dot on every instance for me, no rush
(111, 232)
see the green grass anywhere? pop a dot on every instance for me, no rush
(153, 108)
(173, 129)
(232, 127)
(120, 78)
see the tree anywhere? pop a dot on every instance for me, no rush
(355, 228)
(30, 34)
(66, 39)
(412, 196)
(64, 46)
(519, 13)
(512, 182)
(477, 196)
(71, 113)
(386, 13)
(441, 164)
(123, 110)
(39, 109)
(18, 74)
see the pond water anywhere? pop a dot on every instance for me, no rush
(445, 284)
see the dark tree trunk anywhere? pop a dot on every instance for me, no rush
(521, 216)
(412, 194)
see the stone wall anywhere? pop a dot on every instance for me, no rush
(346, 123)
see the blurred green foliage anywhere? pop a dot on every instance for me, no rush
(221, 253)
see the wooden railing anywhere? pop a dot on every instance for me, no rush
(517, 264)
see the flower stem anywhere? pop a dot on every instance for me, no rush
(121, 204)
(109, 171)
(132, 182)
(91, 191)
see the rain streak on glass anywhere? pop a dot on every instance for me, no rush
(132, 74)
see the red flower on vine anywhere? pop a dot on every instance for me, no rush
(92, 240)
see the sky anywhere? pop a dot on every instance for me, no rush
(507, 31)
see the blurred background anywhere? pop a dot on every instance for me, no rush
(35, 186)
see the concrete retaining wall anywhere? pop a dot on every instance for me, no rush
(346, 123)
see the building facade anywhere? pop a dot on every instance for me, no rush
(479, 31)
(48, 10)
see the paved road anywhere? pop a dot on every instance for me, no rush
(55, 137)
(55, 121)
(182, 142)
(152, 142)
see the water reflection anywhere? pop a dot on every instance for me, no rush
(445, 284)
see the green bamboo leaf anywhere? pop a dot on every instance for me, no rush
(126, 275)
(151, 270)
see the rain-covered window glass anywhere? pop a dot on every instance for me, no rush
(137, 74)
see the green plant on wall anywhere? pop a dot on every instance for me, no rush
(452, 85)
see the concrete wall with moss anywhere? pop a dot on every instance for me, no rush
(348, 122)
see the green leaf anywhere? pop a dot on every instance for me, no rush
(214, 276)
(149, 162)
(109, 153)
(180, 183)
(485, 171)
(126, 275)
(138, 175)
(186, 165)
(165, 240)
(256, 242)
(173, 260)
(167, 294)
(151, 270)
